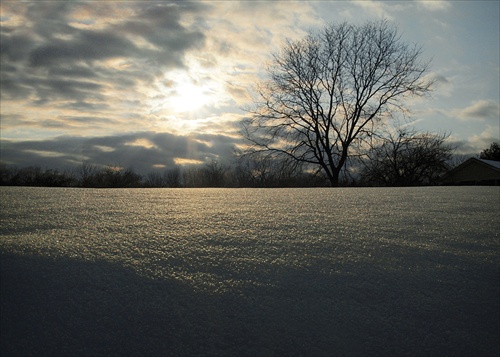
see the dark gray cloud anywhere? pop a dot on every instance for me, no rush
(159, 24)
(74, 71)
(142, 151)
(85, 45)
(67, 89)
(48, 57)
(15, 47)
(108, 67)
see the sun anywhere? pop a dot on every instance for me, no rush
(183, 92)
(190, 96)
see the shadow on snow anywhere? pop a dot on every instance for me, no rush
(70, 307)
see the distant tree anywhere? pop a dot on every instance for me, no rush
(154, 179)
(492, 153)
(256, 169)
(173, 177)
(193, 176)
(130, 178)
(6, 174)
(214, 174)
(87, 174)
(27, 176)
(36, 176)
(111, 177)
(264, 169)
(328, 92)
(54, 178)
(407, 158)
(288, 172)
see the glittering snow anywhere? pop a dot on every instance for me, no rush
(250, 272)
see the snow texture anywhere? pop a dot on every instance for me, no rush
(250, 272)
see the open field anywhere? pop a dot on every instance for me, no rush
(249, 272)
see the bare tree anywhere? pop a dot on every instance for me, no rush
(491, 153)
(172, 177)
(407, 158)
(256, 169)
(326, 93)
(87, 174)
(260, 169)
(154, 179)
(214, 174)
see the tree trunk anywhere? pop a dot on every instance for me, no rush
(334, 178)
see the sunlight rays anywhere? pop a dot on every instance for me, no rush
(182, 92)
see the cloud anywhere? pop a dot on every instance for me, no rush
(78, 56)
(382, 10)
(434, 5)
(84, 45)
(438, 79)
(479, 110)
(473, 145)
(100, 79)
(238, 93)
(143, 151)
(443, 85)
(104, 60)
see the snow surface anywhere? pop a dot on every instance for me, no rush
(249, 272)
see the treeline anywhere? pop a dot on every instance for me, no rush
(405, 158)
(263, 173)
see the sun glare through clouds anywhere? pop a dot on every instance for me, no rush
(181, 92)
(128, 81)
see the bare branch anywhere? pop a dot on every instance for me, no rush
(330, 89)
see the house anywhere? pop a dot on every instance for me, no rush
(474, 172)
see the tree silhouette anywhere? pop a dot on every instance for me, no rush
(407, 158)
(257, 169)
(492, 153)
(328, 92)
(213, 174)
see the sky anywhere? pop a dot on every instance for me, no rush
(153, 84)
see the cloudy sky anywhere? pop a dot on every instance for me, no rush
(155, 83)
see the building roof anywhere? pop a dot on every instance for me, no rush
(473, 170)
(491, 163)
